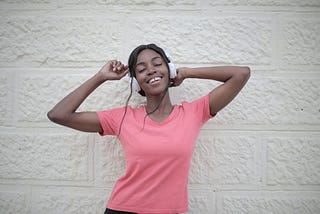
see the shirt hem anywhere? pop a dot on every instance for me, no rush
(147, 211)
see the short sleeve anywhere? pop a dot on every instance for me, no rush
(110, 120)
(201, 107)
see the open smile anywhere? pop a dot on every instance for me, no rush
(154, 80)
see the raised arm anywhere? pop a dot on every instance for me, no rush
(233, 78)
(64, 112)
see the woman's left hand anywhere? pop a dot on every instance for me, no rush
(180, 77)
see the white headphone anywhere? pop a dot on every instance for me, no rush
(135, 85)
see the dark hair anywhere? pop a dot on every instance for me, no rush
(134, 55)
(132, 64)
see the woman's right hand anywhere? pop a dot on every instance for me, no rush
(113, 70)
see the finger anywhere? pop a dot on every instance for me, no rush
(113, 62)
(120, 67)
(114, 65)
(118, 64)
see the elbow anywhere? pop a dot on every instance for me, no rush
(52, 116)
(55, 117)
(245, 72)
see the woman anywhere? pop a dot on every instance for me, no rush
(157, 138)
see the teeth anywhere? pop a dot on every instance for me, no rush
(154, 79)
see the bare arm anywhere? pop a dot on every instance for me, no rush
(233, 78)
(64, 112)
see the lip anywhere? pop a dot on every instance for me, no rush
(160, 77)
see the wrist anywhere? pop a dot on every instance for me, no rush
(100, 78)
(186, 72)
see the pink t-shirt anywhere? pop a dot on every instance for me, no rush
(158, 156)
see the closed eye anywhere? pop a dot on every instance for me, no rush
(141, 70)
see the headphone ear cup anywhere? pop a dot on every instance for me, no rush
(134, 83)
(173, 71)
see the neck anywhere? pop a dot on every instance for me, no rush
(159, 104)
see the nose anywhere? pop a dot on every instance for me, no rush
(151, 70)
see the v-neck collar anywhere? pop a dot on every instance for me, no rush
(165, 121)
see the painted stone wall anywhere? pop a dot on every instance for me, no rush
(259, 155)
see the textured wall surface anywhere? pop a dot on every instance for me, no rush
(261, 154)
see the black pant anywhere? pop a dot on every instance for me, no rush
(109, 211)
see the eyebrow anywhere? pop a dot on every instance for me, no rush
(154, 58)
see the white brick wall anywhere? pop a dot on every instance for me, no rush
(261, 153)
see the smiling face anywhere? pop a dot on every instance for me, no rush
(151, 72)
